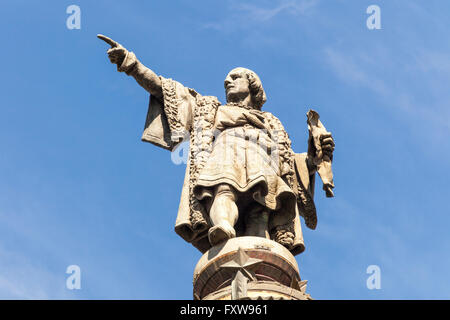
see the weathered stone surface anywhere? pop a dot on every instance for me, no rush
(262, 290)
(240, 160)
(270, 271)
(245, 189)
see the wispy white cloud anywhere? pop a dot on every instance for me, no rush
(258, 13)
(20, 278)
(352, 69)
(429, 68)
(244, 14)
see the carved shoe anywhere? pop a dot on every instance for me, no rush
(220, 233)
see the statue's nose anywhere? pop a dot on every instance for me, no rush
(227, 81)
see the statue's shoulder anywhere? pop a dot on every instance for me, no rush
(204, 110)
(270, 115)
(210, 102)
(273, 121)
(176, 91)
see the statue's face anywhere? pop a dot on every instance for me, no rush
(236, 85)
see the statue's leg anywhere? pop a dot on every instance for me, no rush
(257, 222)
(223, 214)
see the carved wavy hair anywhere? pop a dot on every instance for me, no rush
(257, 92)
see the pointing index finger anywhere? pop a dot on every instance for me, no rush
(109, 41)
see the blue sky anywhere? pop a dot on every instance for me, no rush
(77, 186)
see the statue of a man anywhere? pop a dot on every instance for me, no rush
(242, 177)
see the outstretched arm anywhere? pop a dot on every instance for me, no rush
(127, 62)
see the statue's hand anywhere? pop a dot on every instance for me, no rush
(116, 53)
(327, 144)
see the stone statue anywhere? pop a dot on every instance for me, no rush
(242, 177)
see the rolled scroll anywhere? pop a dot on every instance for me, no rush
(321, 160)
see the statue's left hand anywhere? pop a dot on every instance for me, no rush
(327, 144)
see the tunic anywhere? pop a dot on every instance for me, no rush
(231, 145)
(245, 156)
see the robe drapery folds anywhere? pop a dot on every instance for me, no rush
(247, 149)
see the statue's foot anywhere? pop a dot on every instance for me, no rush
(220, 233)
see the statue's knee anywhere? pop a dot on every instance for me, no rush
(225, 190)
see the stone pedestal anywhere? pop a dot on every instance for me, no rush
(248, 268)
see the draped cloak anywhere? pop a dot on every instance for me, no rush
(281, 182)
